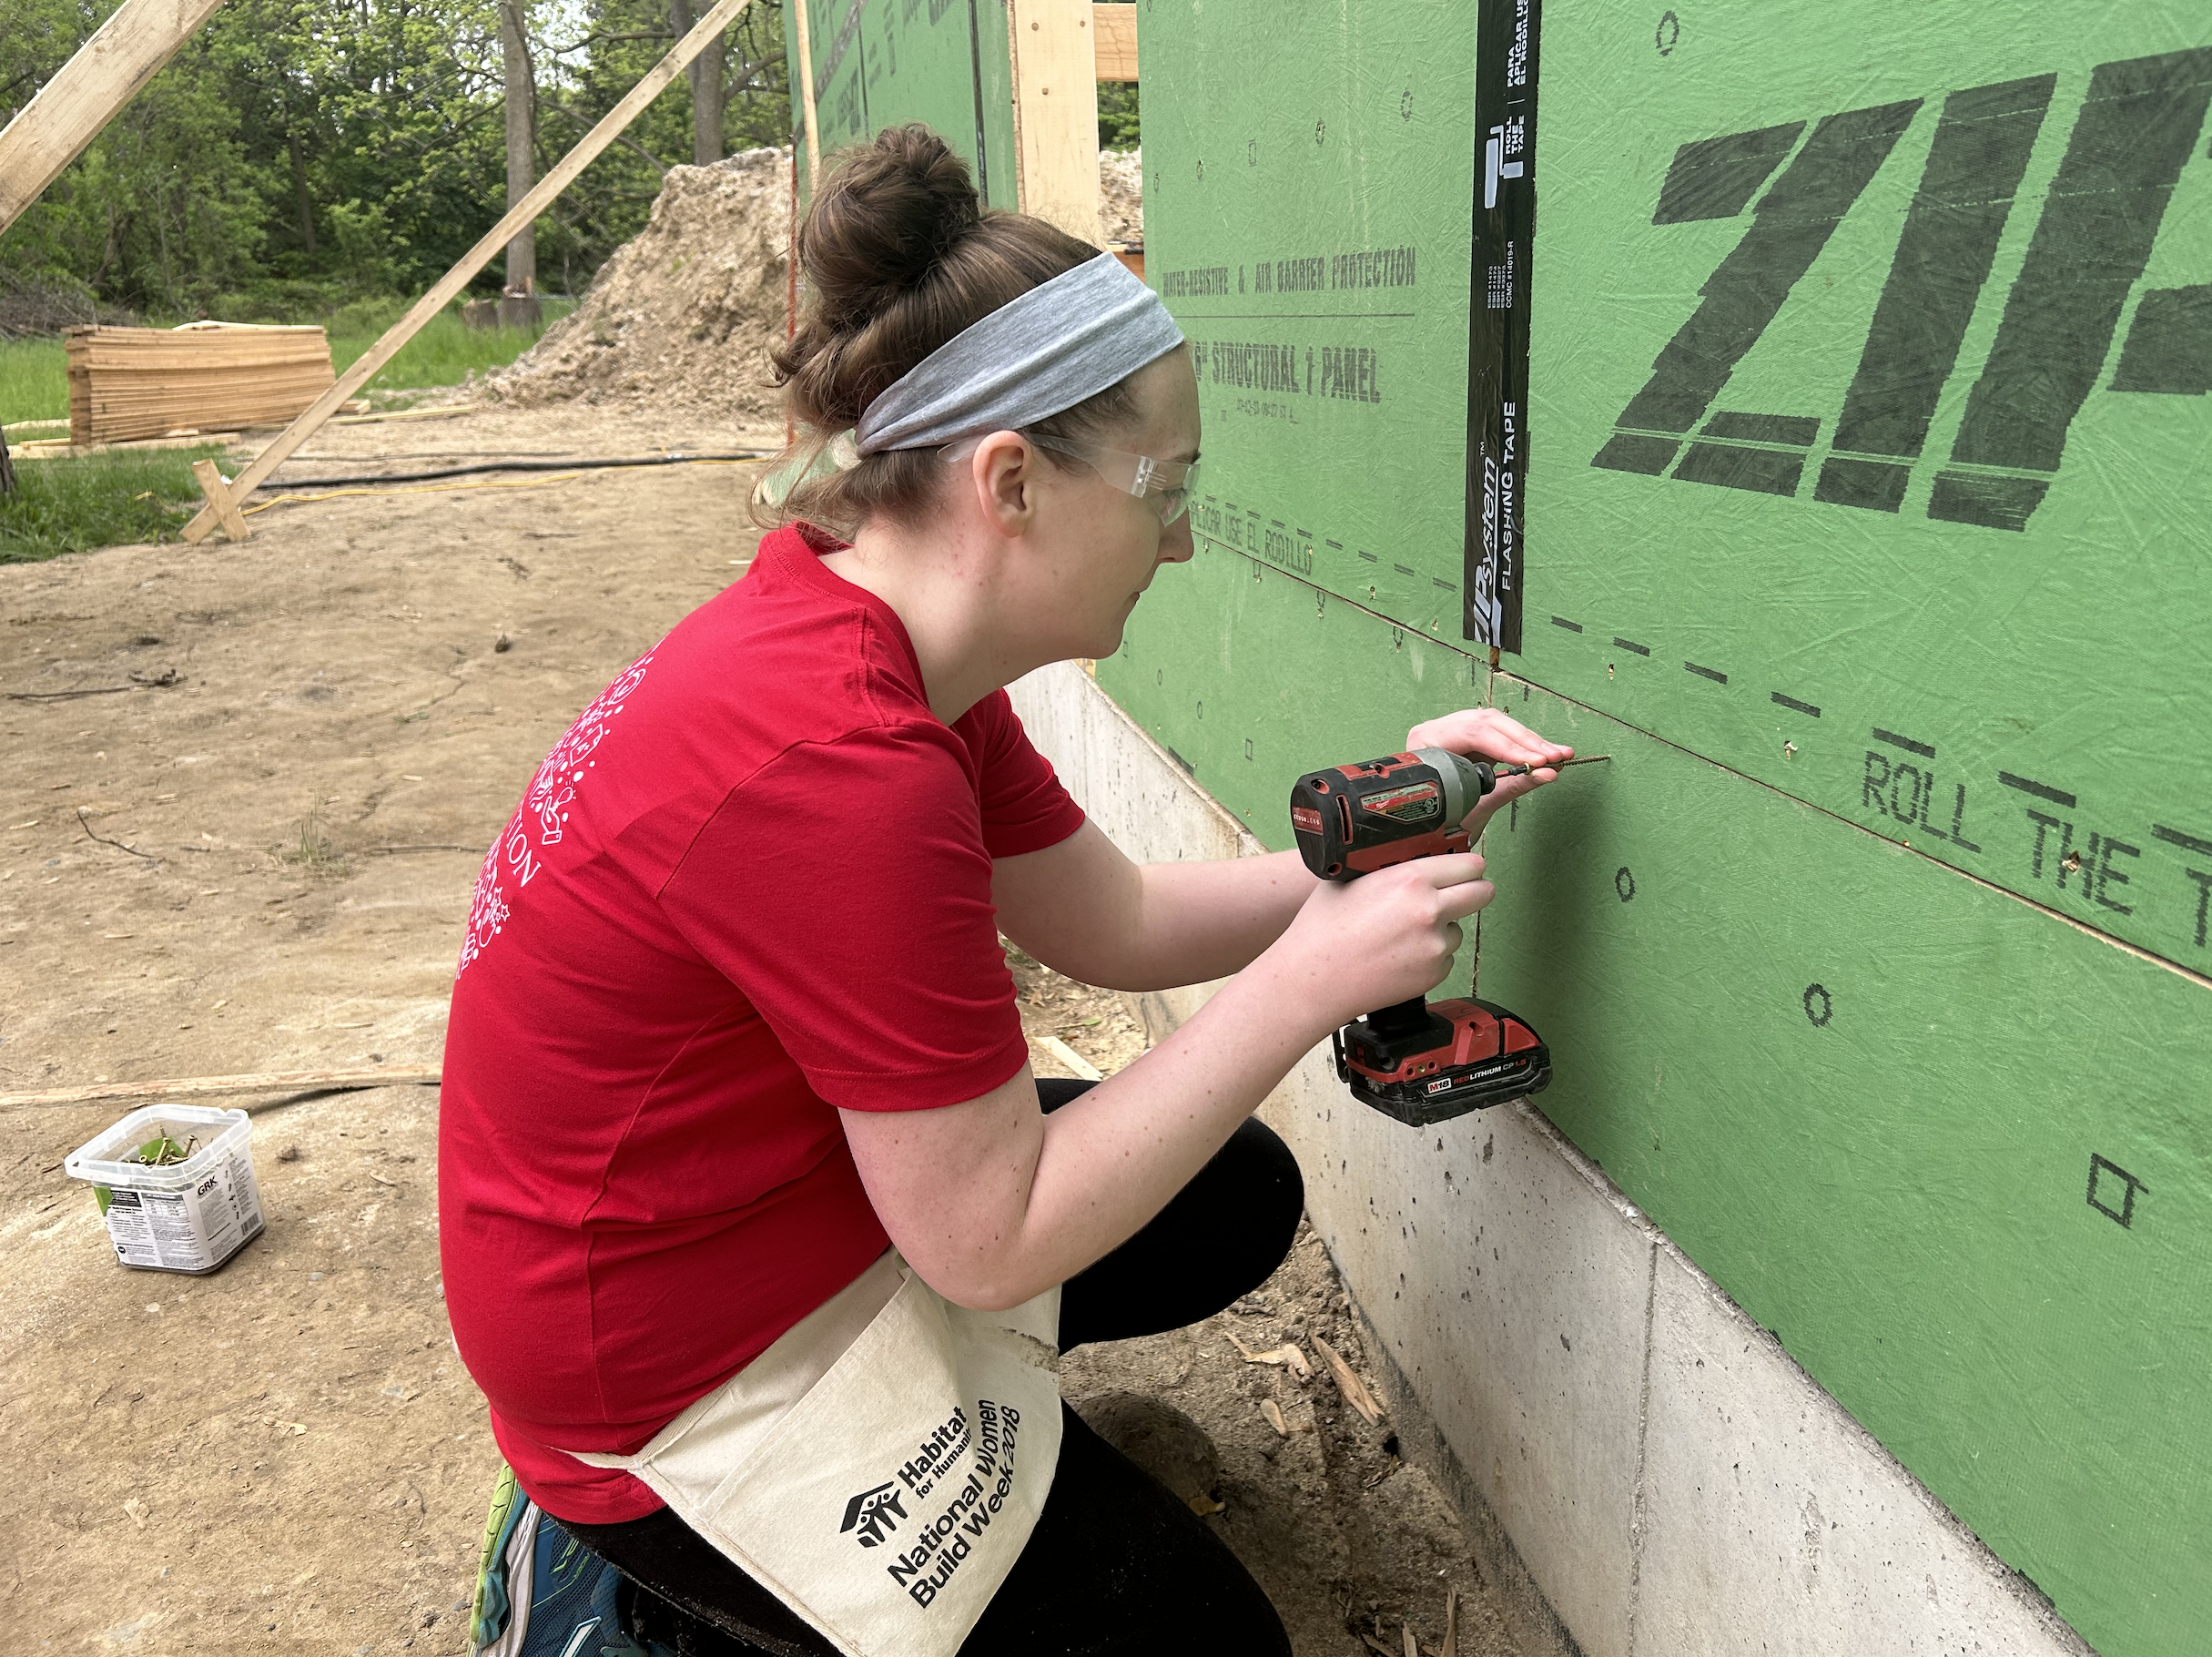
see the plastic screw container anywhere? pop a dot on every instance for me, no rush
(190, 1216)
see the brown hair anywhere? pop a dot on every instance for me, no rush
(899, 255)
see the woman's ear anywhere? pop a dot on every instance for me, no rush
(1004, 471)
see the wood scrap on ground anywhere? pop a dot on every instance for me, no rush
(1287, 1356)
(1355, 1390)
(62, 449)
(209, 1087)
(1085, 1071)
(216, 488)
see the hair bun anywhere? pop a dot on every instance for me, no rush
(899, 257)
(885, 219)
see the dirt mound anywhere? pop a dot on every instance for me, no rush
(682, 316)
(1121, 195)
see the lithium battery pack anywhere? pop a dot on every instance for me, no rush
(1451, 1058)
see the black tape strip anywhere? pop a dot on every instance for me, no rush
(975, 73)
(1507, 35)
(1802, 707)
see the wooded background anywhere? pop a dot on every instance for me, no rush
(301, 155)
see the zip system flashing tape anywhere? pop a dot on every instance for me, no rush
(1498, 318)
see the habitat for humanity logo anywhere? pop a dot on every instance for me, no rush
(873, 1513)
(981, 1456)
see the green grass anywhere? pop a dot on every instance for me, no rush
(101, 500)
(124, 496)
(442, 353)
(34, 382)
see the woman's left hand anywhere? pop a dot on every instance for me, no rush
(1485, 733)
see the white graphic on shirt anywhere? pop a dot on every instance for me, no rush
(544, 809)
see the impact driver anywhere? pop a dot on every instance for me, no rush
(1422, 1061)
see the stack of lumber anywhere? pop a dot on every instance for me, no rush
(132, 382)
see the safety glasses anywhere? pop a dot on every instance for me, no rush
(1163, 485)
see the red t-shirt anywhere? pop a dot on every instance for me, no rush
(751, 885)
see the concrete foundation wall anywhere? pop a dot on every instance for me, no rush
(1642, 1467)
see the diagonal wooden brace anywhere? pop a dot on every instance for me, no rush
(221, 502)
(611, 126)
(108, 71)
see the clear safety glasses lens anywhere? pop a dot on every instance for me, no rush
(1163, 485)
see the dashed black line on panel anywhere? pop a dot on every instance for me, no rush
(2187, 842)
(1906, 743)
(2041, 790)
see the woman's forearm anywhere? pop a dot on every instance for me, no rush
(992, 1201)
(1085, 909)
(1110, 1159)
(1197, 922)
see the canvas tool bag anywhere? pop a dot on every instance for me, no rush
(879, 1469)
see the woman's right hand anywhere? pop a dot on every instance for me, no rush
(1383, 938)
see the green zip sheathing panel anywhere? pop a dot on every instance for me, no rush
(1306, 208)
(881, 63)
(1869, 448)
(1955, 1151)
(1869, 454)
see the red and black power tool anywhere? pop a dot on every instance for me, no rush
(1421, 1061)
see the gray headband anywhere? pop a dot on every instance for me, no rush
(1062, 342)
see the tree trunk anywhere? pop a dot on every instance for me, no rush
(307, 204)
(709, 94)
(521, 121)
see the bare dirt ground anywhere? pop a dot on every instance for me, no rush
(249, 846)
